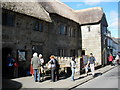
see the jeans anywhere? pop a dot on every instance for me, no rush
(35, 74)
(73, 72)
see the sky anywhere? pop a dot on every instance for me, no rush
(109, 8)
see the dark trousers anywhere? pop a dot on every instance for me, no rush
(10, 71)
(57, 73)
(53, 74)
(110, 63)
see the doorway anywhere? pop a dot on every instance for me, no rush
(5, 52)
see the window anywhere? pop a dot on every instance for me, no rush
(61, 52)
(72, 52)
(37, 48)
(79, 33)
(88, 28)
(38, 26)
(71, 32)
(63, 30)
(104, 30)
(8, 19)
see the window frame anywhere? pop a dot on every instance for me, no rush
(38, 26)
(8, 19)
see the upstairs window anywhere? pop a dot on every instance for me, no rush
(38, 26)
(63, 30)
(61, 52)
(71, 32)
(8, 19)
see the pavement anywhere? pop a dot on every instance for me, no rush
(28, 82)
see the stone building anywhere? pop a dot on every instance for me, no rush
(94, 31)
(28, 27)
(51, 28)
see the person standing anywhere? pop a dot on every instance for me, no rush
(110, 58)
(41, 68)
(35, 63)
(117, 58)
(10, 64)
(53, 67)
(73, 66)
(91, 61)
(57, 69)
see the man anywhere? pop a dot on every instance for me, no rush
(35, 63)
(91, 61)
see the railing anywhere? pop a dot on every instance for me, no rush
(65, 62)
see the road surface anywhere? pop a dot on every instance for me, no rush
(106, 80)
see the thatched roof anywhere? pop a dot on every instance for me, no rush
(90, 15)
(29, 8)
(41, 10)
(61, 9)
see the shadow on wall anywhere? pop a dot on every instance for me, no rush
(10, 84)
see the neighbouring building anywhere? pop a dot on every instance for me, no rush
(94, 30)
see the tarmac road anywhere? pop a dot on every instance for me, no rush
(107, 80)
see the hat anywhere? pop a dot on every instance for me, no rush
(52, 56)
(35, 54)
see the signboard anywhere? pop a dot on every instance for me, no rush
(21, 55)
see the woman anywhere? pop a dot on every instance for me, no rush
(31, 70)
(53, 67)
(110, 58)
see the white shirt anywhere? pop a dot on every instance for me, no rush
(73, 64)
(42, 60)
